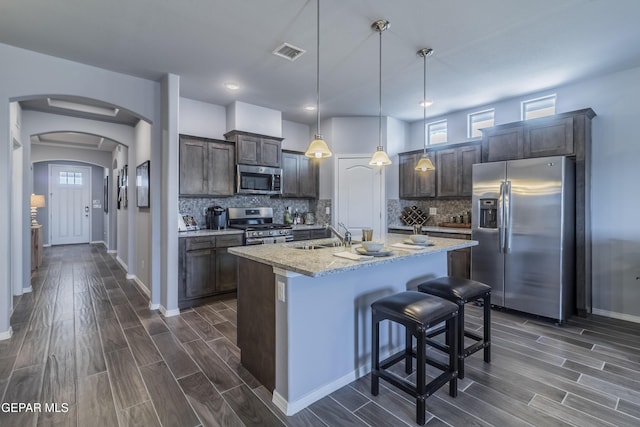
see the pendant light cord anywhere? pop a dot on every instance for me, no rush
(318, 69)
(424, 105)
(380, 95)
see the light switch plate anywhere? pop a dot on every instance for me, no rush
(433, 211)
(327, 210)
(281, 297)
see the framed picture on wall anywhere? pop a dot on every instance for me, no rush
(142, 185)
(125, 186)
(118, 184)
(106, 194)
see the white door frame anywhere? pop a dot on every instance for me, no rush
(382, 211)
(88, 172)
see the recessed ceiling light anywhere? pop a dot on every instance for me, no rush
(310, 107)
(232, 86)
(428, 103)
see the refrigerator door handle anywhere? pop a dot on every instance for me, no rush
(501, 230)
(507, 214)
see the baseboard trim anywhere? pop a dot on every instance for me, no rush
(46, 245)
(112, 251)
(154, 306)
(169, 313)
(131, 276)
(122, 264)
(27, 290)
(6, 334)
(98, 242)
(614, 315)
(141, 287)
(290, 408)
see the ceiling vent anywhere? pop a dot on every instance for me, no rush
(289, 51)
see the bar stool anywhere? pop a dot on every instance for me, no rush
(462, 291)
(417, 312)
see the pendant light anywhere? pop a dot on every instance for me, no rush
(318, 147)
(380, 158)
(425, 164)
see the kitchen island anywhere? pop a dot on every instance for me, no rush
(304, 314)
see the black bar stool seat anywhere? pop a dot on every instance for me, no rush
(462, 291)
(417, 312)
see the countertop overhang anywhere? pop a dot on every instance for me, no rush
(321, 262)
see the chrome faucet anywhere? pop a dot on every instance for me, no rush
(344, 238)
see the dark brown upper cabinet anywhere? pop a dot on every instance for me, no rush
(557, 135)
(206, 167)
(416, 184)
(299, 175)
(256, 149)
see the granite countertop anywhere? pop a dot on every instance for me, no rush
(429, 228)
(321, 262)
(206, 232)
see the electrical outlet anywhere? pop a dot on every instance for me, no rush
(281, 291)
(327, 210)
(433, 211)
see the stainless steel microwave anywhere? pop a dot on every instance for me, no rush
(258, 180)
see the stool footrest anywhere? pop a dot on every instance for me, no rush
(473, 348)
(409, 387)
(473, 336)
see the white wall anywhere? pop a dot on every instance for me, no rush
(296, 136)
(202, 119)
(252, 118)
(121, 155)
(141, 255)
(17, 254)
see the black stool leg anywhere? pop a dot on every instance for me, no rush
(487, 327)
(460, 349)
(452, 332)
(421, 349)
(375, 355)
(408, 349)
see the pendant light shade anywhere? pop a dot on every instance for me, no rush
(380, 158)
(425, 164)
(318, 148)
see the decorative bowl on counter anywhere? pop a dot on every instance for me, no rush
(372, 246)
(419, 238)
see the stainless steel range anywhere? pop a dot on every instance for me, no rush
(258, 226)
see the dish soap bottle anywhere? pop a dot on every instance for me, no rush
(287, 216)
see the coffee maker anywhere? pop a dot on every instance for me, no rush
(216, 218)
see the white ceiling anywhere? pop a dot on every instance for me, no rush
(484, 50)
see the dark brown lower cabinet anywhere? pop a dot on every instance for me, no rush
(316, 233)
(458, 261)
(206, 268)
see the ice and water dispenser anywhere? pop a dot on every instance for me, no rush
(488, 213)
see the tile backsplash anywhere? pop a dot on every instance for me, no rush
(196, 206)
(446, 208)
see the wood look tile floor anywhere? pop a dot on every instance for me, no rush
(85, 340)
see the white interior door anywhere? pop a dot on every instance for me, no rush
(70, 201)
(359, 189)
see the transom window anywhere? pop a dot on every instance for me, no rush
(437, 132)
(70, 178)
(538, 107)
(479, 120)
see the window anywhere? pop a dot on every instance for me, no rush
(437, 132)
(539, 107)
(479, 120)
(70, 178)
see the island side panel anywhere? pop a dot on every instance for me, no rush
(324, 326)
(256, 320)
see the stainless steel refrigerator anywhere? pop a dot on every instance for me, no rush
(523, 218)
